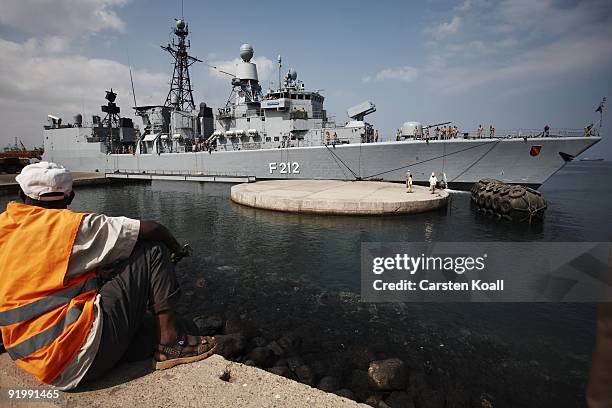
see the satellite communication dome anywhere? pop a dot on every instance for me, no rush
(180, 24)
(246, 52)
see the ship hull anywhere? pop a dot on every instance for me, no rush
(464, 161)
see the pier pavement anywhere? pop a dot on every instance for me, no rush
(190, 385)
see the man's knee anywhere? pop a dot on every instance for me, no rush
(156, 251)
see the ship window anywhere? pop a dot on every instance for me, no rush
(276, 138)
(248, 119)
(293, 96)
(308, 97)
(263, 118)
(268, 139)
(292, 137)
(300, 96)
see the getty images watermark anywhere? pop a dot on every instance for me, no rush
(486, 271)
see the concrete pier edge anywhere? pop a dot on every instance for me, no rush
(338, 197)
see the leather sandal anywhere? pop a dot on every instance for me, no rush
(176, 354)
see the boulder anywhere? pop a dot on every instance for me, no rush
(276, 349)
(230, 345)
(429, 398)
(346, 393)
(329, 384)
(400, 399)
(305, 375)
(359, 383)
(387, 375)
(289, 342)
(232, 326)
(361, 356)
(376, 401)
(208, 325)
(294, 362)
(282, 371)
(262, 356)
(258, 341)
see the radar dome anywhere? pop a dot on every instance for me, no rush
(246, 52)
(180, 24)
(292, 74)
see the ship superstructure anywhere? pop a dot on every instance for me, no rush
(285, 132)
(290, 116)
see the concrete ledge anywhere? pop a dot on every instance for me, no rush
(8, 183)
(181, 177)
(189, 385)
(338, 197)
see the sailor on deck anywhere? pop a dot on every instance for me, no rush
(479, 132)
(65, 320)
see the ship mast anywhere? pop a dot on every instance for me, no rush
(180, 95)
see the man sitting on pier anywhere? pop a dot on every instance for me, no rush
(65, 320)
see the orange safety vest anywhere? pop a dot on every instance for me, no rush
(44, 320)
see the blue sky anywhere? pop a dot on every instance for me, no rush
(513, 64)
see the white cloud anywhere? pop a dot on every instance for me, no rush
(406, 74)
(522, 41)
(70, 18)
(452, 27)
(580, 51)
(465, 6)
(34, 83)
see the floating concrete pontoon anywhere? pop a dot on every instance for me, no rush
(338, 197)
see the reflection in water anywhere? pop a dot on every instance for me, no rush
(253, 250)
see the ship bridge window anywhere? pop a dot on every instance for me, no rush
(248, 119)
(276, 138)
(308, 97)
(300, 96)
(268, 139)
(293, 96)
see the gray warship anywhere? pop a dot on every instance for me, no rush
(286, 133)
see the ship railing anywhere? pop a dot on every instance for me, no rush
(518, 133)
(178, 173)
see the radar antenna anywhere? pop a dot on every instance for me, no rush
(180, 95)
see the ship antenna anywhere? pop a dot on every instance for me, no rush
(600, 109)
(280, 65)
(180, 95)
(132, 80)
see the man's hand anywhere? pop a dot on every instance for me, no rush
(154, 231)
(180, 253)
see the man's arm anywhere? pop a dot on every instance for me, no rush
(153, 231)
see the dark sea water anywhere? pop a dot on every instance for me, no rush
(286, 272)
